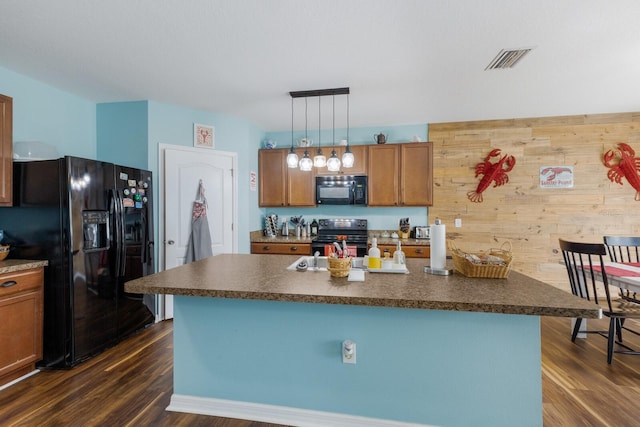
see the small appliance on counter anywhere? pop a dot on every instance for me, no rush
(422, 232)
(404, 228)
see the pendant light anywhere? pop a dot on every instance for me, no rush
(292, 157)
(306, 164)
(333, 163)
(347, 156)
(320, 160)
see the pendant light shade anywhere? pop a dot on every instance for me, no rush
(347, 158)
(319, 160)
(306, 164)
(292, 157)
(333, 164)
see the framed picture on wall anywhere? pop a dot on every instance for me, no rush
(203, 136)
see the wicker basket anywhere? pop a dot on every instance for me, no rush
(468, 268)
(339, 267)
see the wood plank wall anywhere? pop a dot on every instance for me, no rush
(533, 218)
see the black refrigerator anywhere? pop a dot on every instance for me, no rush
(93, 222)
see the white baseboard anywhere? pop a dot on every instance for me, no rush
(275, 414)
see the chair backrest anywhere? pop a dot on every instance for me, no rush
(623, 248)
(580, 258)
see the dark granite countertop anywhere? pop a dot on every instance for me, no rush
(265, 277)
(13, 265)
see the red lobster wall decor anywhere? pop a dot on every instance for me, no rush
(493, 172)
(627, 166)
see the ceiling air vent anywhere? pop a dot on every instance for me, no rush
(507, 58)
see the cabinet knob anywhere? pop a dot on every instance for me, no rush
(294, 248)
(266, 248)
(170, 242)
(419, 251)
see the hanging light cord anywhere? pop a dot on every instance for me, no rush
(334, 119)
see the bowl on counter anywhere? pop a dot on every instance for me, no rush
(4, 251)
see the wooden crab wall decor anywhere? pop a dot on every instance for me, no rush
(627, 166)
(492, 172)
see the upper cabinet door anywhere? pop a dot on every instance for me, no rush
(383, 175)
(301, 185)
(272, 177)
(416, 174)
(6, 150)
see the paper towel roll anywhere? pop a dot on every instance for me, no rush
(438, 245)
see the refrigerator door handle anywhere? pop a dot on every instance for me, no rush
(122, 244)
(117, 237)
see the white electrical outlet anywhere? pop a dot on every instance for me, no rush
(348, 352)
(457, 222)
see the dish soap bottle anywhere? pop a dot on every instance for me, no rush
(398, 257)
(374, 255)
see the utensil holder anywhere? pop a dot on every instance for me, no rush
(339, 267)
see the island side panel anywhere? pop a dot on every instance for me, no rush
(422, 366)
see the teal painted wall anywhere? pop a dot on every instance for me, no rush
(423, 366)
(123, 133)
(47, 114)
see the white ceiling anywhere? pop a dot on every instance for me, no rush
(406, 61)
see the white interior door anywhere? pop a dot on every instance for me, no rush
(184, 167)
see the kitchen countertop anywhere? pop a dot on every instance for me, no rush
(265, 277)
(13, 265)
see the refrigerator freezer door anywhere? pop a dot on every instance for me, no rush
(94, 283)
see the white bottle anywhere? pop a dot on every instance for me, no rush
(374, 255)
(398, 257)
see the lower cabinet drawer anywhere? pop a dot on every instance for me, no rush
(419, 251)
(281, 248)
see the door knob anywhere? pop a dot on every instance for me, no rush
(170, 242)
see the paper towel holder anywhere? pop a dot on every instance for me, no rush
(438, 271)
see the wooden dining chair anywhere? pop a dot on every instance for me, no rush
(624, 249)
(581, 260)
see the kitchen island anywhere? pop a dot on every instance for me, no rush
(254, 340)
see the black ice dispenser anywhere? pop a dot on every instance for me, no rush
(95, 227)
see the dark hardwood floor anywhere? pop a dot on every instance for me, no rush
(131, 384)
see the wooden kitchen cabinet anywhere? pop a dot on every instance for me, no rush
(281, 248)
(359, 160)
(21, 311)
(384, 175)
(280, 185)
(416, 174)
(410, 251)
(400, 174)
(6, 150)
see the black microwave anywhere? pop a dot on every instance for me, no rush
(341, 190)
